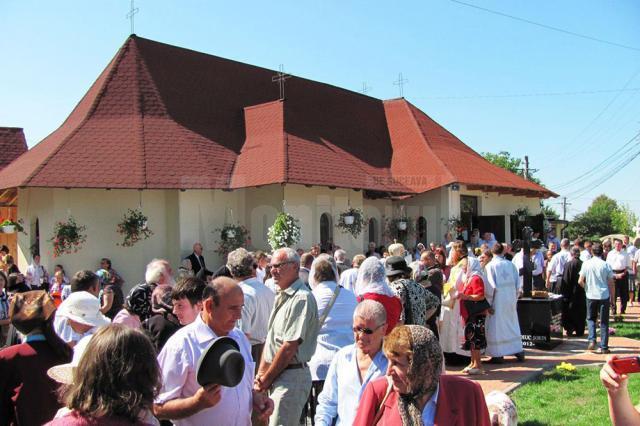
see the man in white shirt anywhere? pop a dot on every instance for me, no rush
(618, 260)
(586, 253)
(36, 276)
(348, 277)
(258, 300)
(181, 398)
(555, 268)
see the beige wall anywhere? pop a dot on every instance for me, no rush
(309, 203)
(99, 211)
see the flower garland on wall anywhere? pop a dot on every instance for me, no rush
(351, 221)
(284, 232)
(231, 237)
(68, 237)
(134, 227)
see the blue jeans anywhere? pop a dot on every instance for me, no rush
(595, 308)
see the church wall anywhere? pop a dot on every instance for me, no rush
(262, 206)
(434, 207)
(378, 210)
(100, 211)
(203, 211)
(308, 205)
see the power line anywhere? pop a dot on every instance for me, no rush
(595, 168)
(548, 27)
(611, 174)
(535, 94)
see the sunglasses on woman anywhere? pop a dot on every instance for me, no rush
(360, 330)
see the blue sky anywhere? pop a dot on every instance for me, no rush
(495, 82)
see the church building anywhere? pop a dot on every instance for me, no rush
(197, 141)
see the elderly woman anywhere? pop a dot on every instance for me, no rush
(354, 366)
(97, 396)
(371, 284)
(415, 392)
(335, 311)
(137, 307)
(27, 394)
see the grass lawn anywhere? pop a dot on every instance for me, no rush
(626, 329)
(567, 398)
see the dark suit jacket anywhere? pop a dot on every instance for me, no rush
(194, 263)
(460, 403)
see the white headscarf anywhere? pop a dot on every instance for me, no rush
(312, 272)
(474, 268)
(372, 278)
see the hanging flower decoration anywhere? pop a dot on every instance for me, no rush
(134, 227)
(231, 237)
(284, 232)
(68, 237)
(398, 229)
(9, 226)
(351, 221)
(522, 213)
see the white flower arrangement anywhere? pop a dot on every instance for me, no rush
(284, 232)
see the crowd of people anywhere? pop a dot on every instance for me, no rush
(324, 339)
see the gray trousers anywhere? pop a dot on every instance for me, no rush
(289, 393)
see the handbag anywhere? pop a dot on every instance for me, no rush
(476, 307)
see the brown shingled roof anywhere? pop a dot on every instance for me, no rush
(165, 117)
(12, 145)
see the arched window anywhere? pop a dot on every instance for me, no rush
(326, 232)
(421, 230)
(373, 231)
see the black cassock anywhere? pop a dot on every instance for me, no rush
(574, 306)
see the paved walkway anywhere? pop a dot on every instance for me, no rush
(508, 376)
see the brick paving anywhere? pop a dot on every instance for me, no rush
(508, 376)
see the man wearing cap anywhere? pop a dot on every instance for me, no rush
(291, 341)
(258, 300)
(182, 399)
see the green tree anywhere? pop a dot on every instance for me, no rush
(506, 161)
(549, 212)
(603, 217)
(624, 219)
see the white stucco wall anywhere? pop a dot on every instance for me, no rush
(99, 211)
(309, 203)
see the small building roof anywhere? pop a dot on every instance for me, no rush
(12, 145)
(164, 117)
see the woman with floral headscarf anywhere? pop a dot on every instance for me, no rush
(137, 307)
(371, 284)
(475, 338)
(415, 392)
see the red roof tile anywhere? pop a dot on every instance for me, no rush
(160, 116)
(12, 145)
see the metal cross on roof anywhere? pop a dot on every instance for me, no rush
(365, 89)
(400, 83)
(131, 15)
(280, 78)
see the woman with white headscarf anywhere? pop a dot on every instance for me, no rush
(335, 311)
(473, 310)
(452, 328)
(371, 284)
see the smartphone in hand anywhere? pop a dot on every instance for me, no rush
(626, 365)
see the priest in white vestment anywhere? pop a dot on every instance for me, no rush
(502, 290)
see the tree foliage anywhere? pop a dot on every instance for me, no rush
(549, 212)
(603, 217)
(506, 161)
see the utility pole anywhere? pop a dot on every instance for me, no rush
(526, 171)
(564, 208)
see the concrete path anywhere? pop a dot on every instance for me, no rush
(508, 376)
